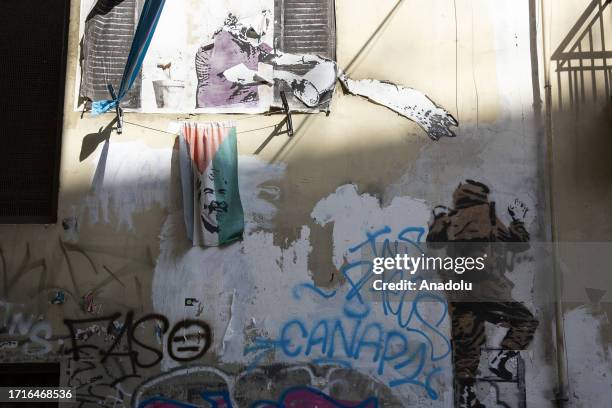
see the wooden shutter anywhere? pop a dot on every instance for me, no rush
(305, 27)
(308, 27)
(109, 30)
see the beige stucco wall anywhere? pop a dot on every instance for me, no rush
(309, 198)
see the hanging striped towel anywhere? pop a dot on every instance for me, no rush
(209, 179)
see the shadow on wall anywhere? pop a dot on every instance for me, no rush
(372, 168)
(582, 59)
(582, 125)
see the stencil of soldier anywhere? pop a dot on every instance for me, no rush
(469, 229)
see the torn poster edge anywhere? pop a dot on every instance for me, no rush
(409, 103)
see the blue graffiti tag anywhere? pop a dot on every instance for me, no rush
(405, 354)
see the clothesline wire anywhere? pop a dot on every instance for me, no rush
(176, 134)
(246, 117)
(150, 128)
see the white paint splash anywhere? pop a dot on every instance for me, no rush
(259, 190)
(247, 288)
(223, 278)
(589, 365)
(353, 215)
(130, 178)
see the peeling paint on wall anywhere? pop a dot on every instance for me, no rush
(244, 279)
(353, 214)
(258, 181)
(130, 178)
(588, 357)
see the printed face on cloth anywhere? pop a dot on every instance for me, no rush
(214, 205)
(217, 214)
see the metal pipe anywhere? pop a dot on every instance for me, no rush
(561, 353)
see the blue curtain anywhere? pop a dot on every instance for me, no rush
(140, 44)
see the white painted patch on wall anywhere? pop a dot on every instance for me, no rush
(353, 215)
(589, 365)
(258, 190)
(130, 177)
(247, 288)
(223, 278)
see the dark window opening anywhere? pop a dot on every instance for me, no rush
(32, 76)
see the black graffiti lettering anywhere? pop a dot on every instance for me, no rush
(71, 324)
(122, 379)
(89, 365)
(85, 399)
(130, 353)
(196, 341)
(107, 353)
(92, 394)
(158, 353)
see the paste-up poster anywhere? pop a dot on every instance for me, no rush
(195, 42)
(233, 56)
(209, 56)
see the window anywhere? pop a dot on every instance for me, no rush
(33, 49)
